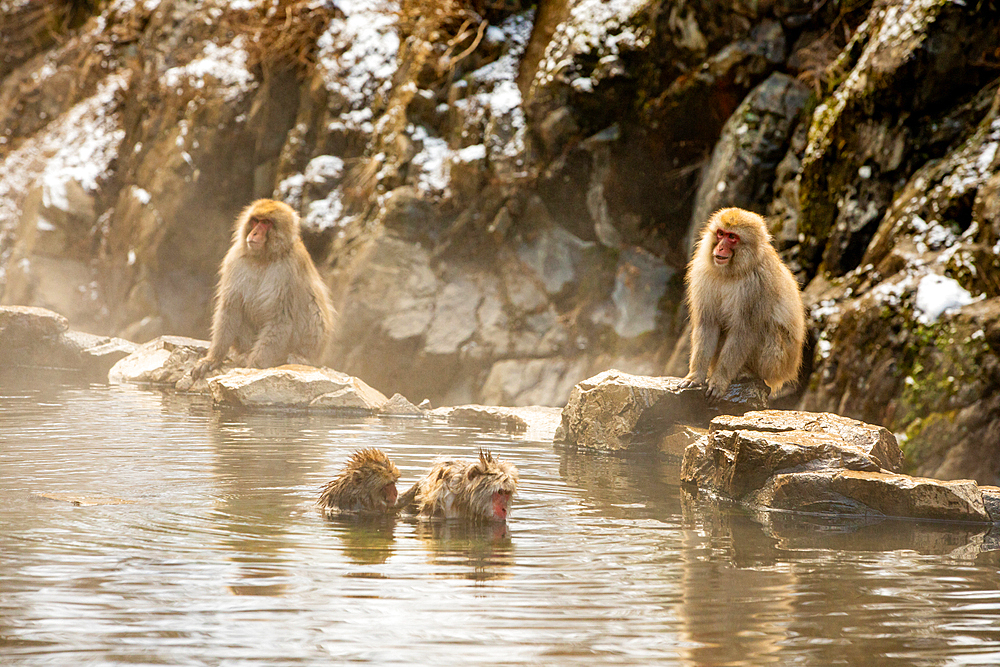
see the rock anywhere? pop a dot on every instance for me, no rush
(295, 386)
(166, 360)
(534, 423)
(38, 337)
(875, 441)
(615, 411)
(640, 282)
(96, 354)
(991, 501)
(915, 497)
(399, 406)
(822, 464)
(752, 143)
(524, 382)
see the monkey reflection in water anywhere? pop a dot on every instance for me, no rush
(477, 490)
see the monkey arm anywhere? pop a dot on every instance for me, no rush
(732, 358)
(408, 501)
(704, 341)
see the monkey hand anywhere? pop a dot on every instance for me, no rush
(204, 367)
(717, 389)
(692, 380)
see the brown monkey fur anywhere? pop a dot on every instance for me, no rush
(367, 484)
(479, 490)
(271, 305)
(745, 306)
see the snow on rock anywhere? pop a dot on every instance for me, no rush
(69, 157)
(600, 28)
(227, 65)
(936, 294)
(357, 57)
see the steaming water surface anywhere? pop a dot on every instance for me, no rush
(218, 557)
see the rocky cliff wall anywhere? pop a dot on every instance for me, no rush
(502, 196)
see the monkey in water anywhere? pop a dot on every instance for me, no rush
(479, 490)
(367, 485)
(271, 305)
(746, 310)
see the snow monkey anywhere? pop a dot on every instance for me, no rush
(746, 309)
(367, 484)
(480, 490)
(271, 304)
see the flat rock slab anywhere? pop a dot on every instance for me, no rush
(619, 412)
(32, 336)
(823, 463)
(535, 423)
(295, 386)
(876, 441)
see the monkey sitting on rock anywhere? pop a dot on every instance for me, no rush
(478, 490)
(271, 305)
(746, 311)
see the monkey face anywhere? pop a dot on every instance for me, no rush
(725, 246)
(390, 494)
(257, 237)
(501, 505)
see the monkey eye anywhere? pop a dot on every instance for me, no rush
(732, 237)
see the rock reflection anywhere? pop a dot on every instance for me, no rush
(613, 482)
(256, 466)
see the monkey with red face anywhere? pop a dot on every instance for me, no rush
(479, 490)
(745, 306)
(271, 305)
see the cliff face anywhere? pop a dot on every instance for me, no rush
(502, 196)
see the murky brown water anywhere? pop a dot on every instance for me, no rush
(222, 560)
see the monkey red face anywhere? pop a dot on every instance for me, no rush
(727, 241)
(257, 238)
(389, 493)
(501, 505)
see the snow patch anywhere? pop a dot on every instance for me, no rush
(936, 294)
(227, 65)
(357, 57)
(70, 156)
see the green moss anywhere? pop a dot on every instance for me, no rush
(938, 361)
(926, 438)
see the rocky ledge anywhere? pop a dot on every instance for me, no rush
(826, 464)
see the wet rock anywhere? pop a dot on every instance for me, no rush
(399, 406)
(32, 336)
(916, 497)
(618, 412)
(534, 423)
(823, 464)
(875, 441)
(752, 143)
(167, 360)
(295, 386)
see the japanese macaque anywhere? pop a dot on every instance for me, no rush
(367, 484)
(479, 490)
(746, 310)
(271, 305)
